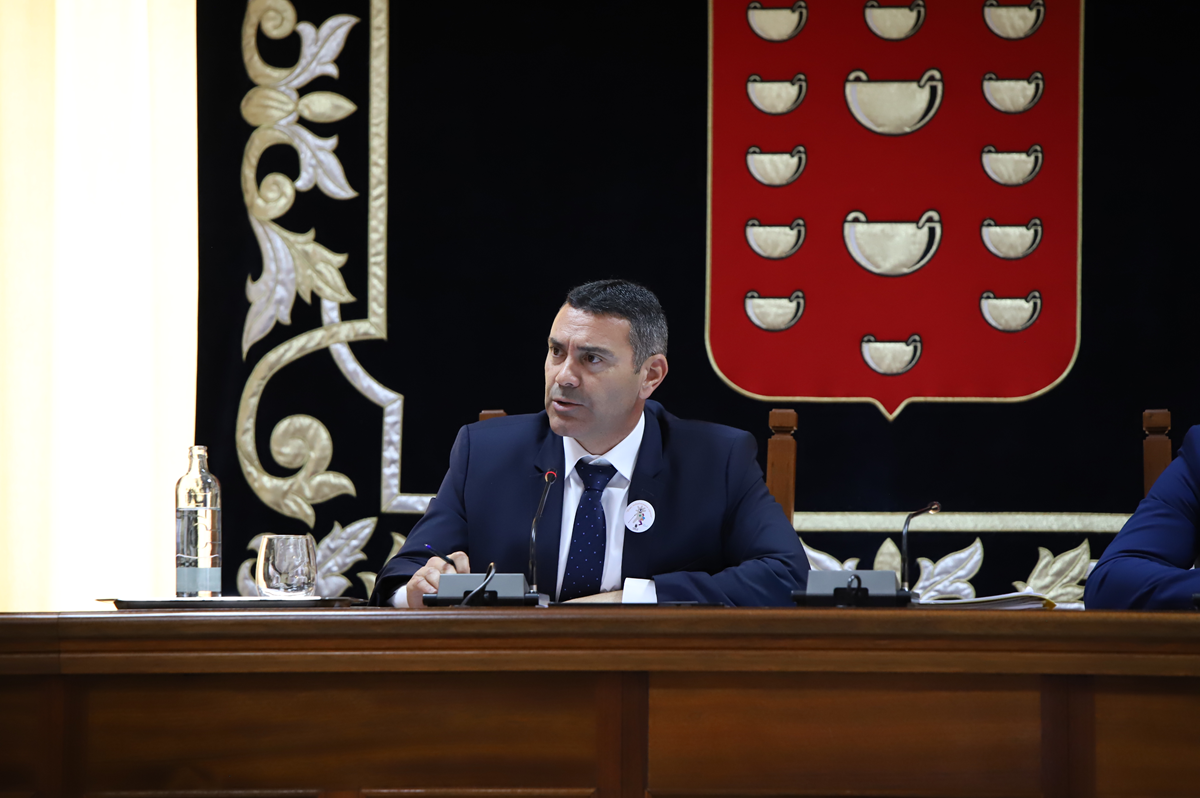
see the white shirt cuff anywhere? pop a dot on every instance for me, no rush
(400, 598)
(639, 591)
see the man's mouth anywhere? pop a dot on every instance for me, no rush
(564, 404)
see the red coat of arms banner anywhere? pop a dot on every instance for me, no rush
(894, 199)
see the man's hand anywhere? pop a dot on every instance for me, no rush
(426, 580)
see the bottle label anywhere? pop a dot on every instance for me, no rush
(193, 580)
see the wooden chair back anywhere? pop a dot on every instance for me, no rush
(781, 459)
(1156, 448)
(485, 415)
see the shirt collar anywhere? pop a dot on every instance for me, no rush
(622, 457)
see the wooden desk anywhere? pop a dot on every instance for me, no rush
(603, 701)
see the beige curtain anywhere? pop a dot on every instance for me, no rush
(98, 278)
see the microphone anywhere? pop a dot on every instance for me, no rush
(933, 508)
(550, 478)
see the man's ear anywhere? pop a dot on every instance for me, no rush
(654, 370)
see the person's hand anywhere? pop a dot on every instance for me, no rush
(611, 597)
(426, 579)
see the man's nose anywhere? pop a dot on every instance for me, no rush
(566, 376)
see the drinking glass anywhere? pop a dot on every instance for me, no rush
(287, 566)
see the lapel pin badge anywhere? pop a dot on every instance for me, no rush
(639, 516)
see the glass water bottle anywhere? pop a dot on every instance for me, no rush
(198, 529)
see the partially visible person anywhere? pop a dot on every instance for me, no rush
(1150, 564)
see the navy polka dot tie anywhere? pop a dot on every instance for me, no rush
(585, 561)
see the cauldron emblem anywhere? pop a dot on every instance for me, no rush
(776, 97)
(1011, 241)
(1014, 22)
(891, 357)
(775, 241)
(774, 314)
(775, 168)
(1010, 314)
(894, 23)
(1012, 168)
(892, 249)
(894, 107)
(777, 24)
(1013, 96)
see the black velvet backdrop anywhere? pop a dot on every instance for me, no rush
(536, 146)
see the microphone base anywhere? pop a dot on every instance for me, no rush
(853, 597)
(487, 598)
(504, 590)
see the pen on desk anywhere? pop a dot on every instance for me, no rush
(437, 553)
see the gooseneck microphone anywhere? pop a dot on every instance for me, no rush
(550, 478)
(933, 508)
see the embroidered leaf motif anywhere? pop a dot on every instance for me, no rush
(263, 105)
(332, 585)
(324, 106)
(245, 579)
(888, 557)
(319, 49)
(368, 580)
(1058, 578)
(323, 487)
(948, 578)
(338, 551)
(271, 295)
(245, 576)
(292, 263)
(316, 267)
(317, 162)
(820, 561)
(397, 543)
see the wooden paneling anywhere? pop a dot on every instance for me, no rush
(30, 731)
(826, 734)
(599, 702)
(1147, 737)
(295, 731)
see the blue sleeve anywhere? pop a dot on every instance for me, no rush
(444, 526)
(766, 560)
(1147, 566)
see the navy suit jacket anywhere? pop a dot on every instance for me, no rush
(1146, 565)
(718, 536)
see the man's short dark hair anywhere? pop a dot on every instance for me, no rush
(636, 304)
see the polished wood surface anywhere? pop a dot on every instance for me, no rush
(601, 700)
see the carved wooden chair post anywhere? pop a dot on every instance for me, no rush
(781, 459)
(1156, 448)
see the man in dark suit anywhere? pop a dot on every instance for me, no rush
(1148, 566)
(647, 507)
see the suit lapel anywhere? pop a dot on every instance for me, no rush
(647, 485)
(549, 534)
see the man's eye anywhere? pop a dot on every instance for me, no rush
(555, 351)
(592, 358)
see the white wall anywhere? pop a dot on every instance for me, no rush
(98, 274)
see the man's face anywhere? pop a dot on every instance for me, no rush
(593, 392)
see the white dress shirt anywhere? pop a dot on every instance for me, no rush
(622, 457)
